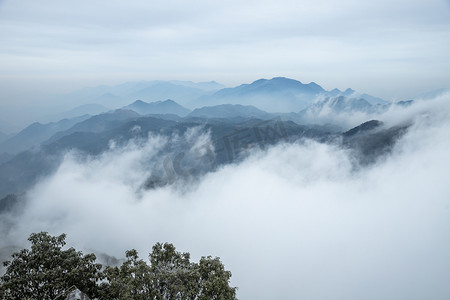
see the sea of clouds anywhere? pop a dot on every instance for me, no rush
(295, 221)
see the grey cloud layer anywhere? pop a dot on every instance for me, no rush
(383, 45)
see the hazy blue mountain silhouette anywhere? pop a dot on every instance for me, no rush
(37, 133)
(229, 111)
(159, 91)
(97, 123)
(278, 94)
(158, 107)
(117, 96)
(206, 86)
(274, 85)
(242, 111)
(85, 109)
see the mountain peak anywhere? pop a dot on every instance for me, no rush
(159, 107)
(281, 78)
(288, 83)
(36, 124)
(315, 86)
(228, 111)
(139, 102)
(349, 91)
(285, 80)
(169, 101)
(364, 127)
(259, 81)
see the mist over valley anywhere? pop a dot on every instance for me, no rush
(315, 197)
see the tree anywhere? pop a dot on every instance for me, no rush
(170, 276)
(46, 271)
(214, 280)
(175, 276)
(132, 280)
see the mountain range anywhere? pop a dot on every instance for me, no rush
(120, 95)
(274, 95)
(232, 137)
(86, 109)
(38, 149)
(229, 111)
(37, 133)
(278, 94)
(158, 107)
(277, 91)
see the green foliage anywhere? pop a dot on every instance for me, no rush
(129, 281)
(214, 280)
(170, 276)
(46, 271)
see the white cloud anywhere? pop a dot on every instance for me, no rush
(295, 222)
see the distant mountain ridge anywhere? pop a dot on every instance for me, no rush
(97, 123)
(36, 133)
(228, 111)
(340, 104)
(272, 86)
(206, 86)
(119, 95)
(278, 94)
(38, 149)
(158, 107)
(85, 109)
(322, 110)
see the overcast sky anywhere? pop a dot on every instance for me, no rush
(393, 49)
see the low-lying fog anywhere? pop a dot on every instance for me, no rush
(297, 221)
